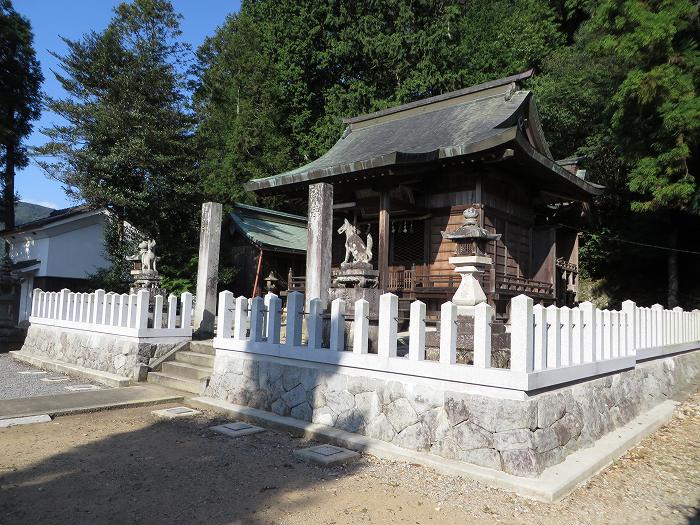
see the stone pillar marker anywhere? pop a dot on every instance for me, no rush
(208, 268)
(318, 246)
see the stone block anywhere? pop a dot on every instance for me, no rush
(415, 437)
(515, 439)
(484, 457)
(380, 428)
(236, 429)
(324, 416)
(400, 414)
(523, 462)
(339, 401)
(468, 436)
(550, 408)
(295, 396)
(368, 404)
(544, 439)
(350, 421)
(291, 377)
(280, 408)
(302, 411)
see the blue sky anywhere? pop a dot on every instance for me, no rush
(52, 19)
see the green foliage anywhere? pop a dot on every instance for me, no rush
(126, 143)
(277, 78)
(20, 100)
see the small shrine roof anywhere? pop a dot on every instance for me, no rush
(270, 229)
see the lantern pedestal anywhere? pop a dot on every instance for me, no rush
(469, 293)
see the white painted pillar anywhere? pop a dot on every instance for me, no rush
(589, 331)
(337, 342)
(240, 319)
(540, 336)
(614, 334)
(224, 327)
(172, 311)
(566, 342)
(360, 327)
(256, 319)
(388, 314)
(98, 305)
(448, 333)
(576, 336)
(553, 337)
(483, 313)
(521, 334)
(274, 319)
(186, 312)
(416, 332)
(629, 308)
(295, 310)
(315, 323)
(141, 310)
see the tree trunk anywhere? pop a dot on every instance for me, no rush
(8, 194)
(672, 298)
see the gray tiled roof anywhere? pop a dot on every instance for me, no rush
(270, 229)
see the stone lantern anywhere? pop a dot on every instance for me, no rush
(470, 259)
(272, 282)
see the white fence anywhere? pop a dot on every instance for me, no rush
(112, 313)
(549, 346)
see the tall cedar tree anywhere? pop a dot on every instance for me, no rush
(20, 100)
(277, 78)
(126, 142)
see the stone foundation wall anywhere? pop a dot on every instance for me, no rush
(104, 352)
(519, 437)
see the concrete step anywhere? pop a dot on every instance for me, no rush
(186, 370)
(202, 347)
(186, 385)
(195, 358)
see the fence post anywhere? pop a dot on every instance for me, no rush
(36, 298)
(630, 327)
(70, 302)
(240, 318)
(114, 314)
(186, 313)
(90, 307)
(97, 306)
(256, 319)
(141, 309)
(360, 327)
(521, 334)
(80, 315)
(388, 313)
(172, 311)
(483, 314)
(658, 320)
(124, 309)
(540, 337)
(553, 337)
(295, 309)
(158, 312)
(565, 341)
(416, 332)
(274, 319)
(107, 308)
(225, 315)
(76, 306)
(41, 308)
(696, 324)
(314, 324)
(337, 325)
(615, 334)
(576, 336)
(589, 331)
(63, 304)
(448, 333)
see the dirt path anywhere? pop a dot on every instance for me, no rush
(126, 466)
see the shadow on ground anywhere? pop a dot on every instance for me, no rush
(162, 472)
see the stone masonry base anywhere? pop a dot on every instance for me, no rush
(105, 352)
(519, 437)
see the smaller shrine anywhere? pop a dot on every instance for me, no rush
(10, 286)
(144, 271)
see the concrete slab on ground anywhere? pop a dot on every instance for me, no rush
(552, 485)
(27, 420)
(236, 429)
(175, 412)
(326, 455)
(89, 401)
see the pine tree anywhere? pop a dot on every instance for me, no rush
(20, 100)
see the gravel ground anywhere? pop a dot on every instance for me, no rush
(126, 466)
(15, 385)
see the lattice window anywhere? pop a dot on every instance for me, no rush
(408, 242)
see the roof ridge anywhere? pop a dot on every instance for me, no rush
(439, 98)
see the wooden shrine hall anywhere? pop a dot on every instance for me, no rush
(407, 173)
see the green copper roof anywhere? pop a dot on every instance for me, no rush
(270, 229)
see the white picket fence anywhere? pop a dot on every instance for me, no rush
(112, 313)
(549, 346)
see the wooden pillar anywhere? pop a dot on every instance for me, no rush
(383, 255)
(319, 243)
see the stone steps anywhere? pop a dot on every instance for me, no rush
(185, 370)
(195, 358)
(190, 369)
(177, 383)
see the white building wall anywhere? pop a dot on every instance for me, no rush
(77, 253)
